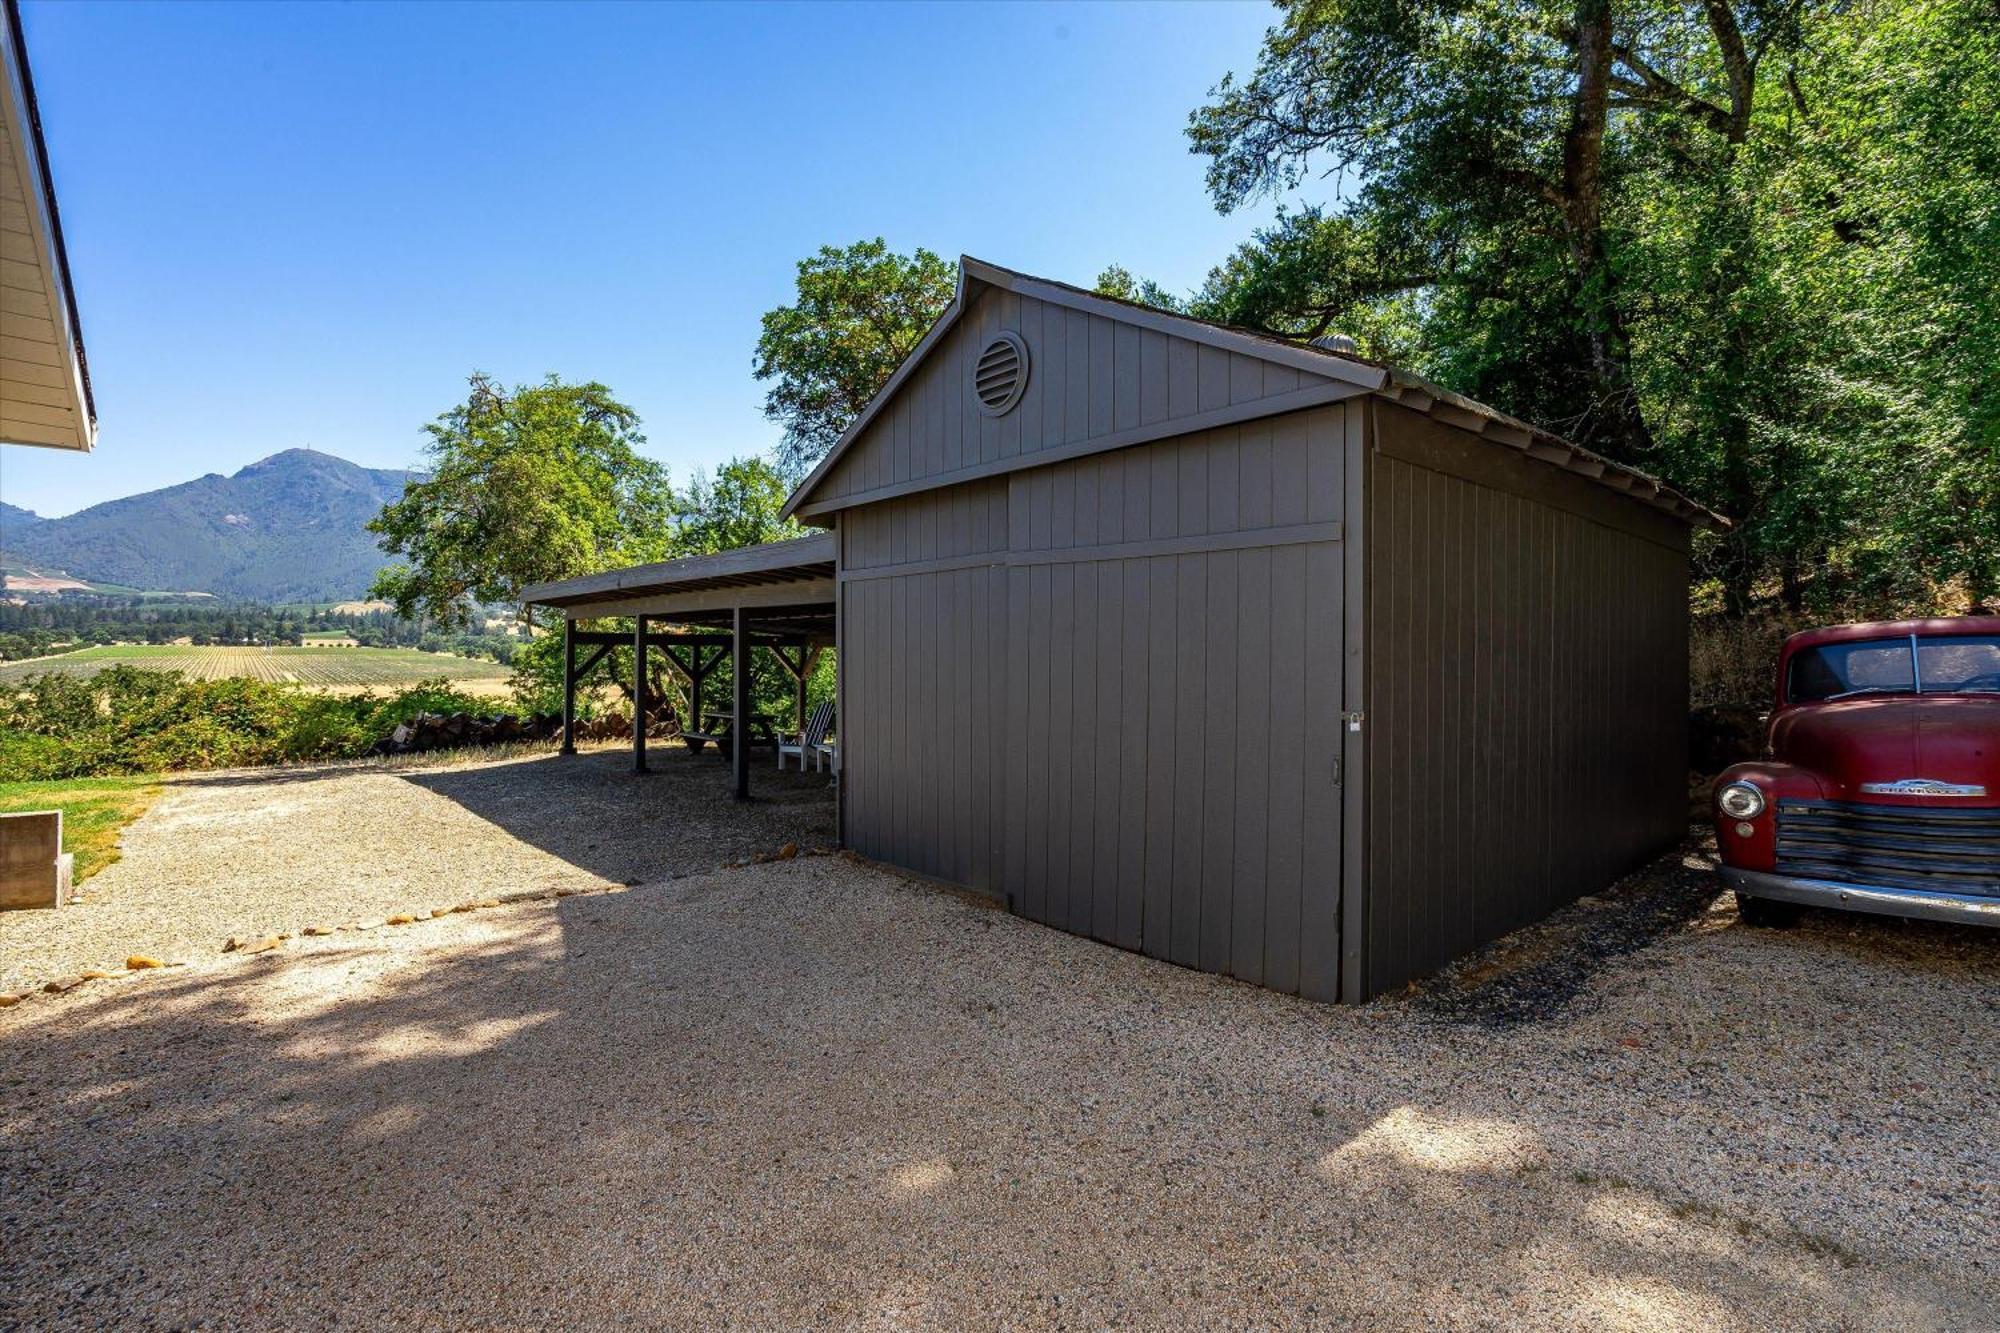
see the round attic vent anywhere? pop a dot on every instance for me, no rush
(1000, 374)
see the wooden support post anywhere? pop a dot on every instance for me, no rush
(569, 686)
(639, 694)
(800, 672)
(808, 659)
(739, 726)
(688, 721)
(695, 678)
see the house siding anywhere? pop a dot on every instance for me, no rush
(1109, 690)
(1321, 694)
(1527, 690)
(1090, 378)
(922, 599)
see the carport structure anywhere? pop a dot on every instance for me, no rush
(698, 611)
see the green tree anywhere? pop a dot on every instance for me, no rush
(540, 482)
(1118, 281)
(740, 507)
(1735, 243)
(860, 310)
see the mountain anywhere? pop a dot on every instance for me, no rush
(290, 528)
(13, 517)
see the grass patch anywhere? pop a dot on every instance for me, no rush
(95, 811)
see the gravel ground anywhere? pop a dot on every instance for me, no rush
(258, 852)
(811, 1094)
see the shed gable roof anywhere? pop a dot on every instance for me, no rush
(1094, 352)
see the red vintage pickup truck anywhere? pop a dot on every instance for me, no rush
(1881, 787)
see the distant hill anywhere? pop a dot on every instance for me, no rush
(13, 517)
(290, 528)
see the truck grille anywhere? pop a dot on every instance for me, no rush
(1894, 846)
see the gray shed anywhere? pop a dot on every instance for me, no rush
(1253, 656)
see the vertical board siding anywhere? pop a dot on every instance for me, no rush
(1173, 717)
(1139, 746)
(1088, 377)
(1527, 699)
(1132, 747)
(924, 679)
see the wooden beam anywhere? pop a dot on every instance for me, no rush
(744, 561)
(686, 672)
(596, 655)
(800, 672)
(739, 727)
(673, 660)
(695, 681)
(619, 639)
(796, 592)
(639, 695)
(569, 688)
(808, 659)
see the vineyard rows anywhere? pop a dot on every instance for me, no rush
(305, 666)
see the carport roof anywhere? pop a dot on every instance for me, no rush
(792, 580)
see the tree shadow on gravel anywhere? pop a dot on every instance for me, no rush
(680, 818)
(804, 1095)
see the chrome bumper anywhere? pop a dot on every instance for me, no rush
(1970, 908)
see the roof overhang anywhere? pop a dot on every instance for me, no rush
(1361, 375)
(790, 582)
(1454, 409)
(44, 379)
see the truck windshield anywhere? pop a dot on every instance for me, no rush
(1942, 664)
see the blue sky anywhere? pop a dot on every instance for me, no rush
(305, 224)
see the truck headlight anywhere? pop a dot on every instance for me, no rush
(1741, 800)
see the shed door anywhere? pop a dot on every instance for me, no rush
(1174, 725)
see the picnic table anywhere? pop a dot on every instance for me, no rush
(719, 729)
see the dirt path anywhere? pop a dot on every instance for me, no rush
(258, 852)
(814, 1095)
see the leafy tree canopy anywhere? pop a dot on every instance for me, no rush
(860, 310)
(1746, 244)
(1118, 281)
(740, 507)
(539, 482)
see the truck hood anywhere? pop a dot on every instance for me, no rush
(1943, 738)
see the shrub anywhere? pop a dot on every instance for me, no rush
(129, 720)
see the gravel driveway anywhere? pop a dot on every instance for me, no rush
(812, 1094)
(258, 852)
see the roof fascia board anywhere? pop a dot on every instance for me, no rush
(44, 222)
(1324, 365)
(817, 549)
(799, 592)
(1421, 395)
(945, 323)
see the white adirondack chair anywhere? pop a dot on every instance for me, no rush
(812, 741)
